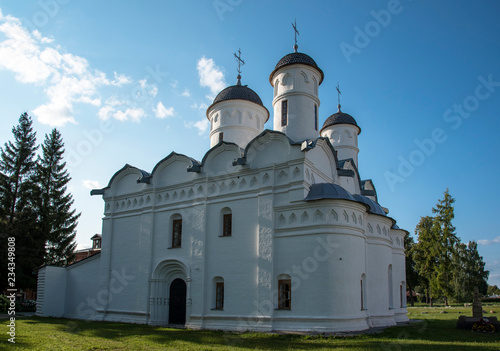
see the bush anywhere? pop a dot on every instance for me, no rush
(491, 299)
(4, 303)
(21, 306)
(26, 306)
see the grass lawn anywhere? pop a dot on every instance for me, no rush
(437, 331)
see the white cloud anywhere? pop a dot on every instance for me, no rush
(133, 114)
(202, 126)
(121, 79)
(91, 184)
(161, 111)
(211, 76)
(201, 106)
(489, 242)
(67, 79)
(186, 93)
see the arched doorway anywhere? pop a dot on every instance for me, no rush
(177, 302)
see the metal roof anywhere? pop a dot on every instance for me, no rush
(238, 92)
(328, 191)
(296, 58)
(339, 118)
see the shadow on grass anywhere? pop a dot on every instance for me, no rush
(431, 334)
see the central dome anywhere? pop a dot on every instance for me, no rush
(296, 58)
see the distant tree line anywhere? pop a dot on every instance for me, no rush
(35, 206)
(439, 265)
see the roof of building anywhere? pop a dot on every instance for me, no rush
(296, 58)
(375, 208)
(328, 191)
(238, 92)
(340, 118)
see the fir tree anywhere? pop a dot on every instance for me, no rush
(58, 220)
(424, 252)
(413, 279)
(447, 239)
(468, 272)
(17, 210)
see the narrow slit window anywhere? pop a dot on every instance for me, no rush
(177, 233)
(401, 295)
(219, 296)
(362, 302)
(284, 113)
(227, 224)
(221, 137)
(316, 117)
(285, 294)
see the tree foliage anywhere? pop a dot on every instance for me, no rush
(447, 267)
(34, 206)
(18, 211)
(57, 219)
(468, 271)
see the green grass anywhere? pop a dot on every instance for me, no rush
(437, 331)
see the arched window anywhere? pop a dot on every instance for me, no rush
(218, 283)
(402, 294)
(363, 292)
(284, 113)
(176, 231)
(316, 117)
(227, 222)
(284, 292)
(389, 279)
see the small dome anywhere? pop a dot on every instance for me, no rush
(296, 58)
(238, 92)
(339, 118)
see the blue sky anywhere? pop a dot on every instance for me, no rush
(129, 82)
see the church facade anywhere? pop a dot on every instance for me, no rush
(271, 230)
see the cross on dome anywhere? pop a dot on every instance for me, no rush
(294, 25)
(240, 63)
(338, 95)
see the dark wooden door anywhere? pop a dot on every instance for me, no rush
(177, 302)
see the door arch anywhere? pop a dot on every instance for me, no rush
(165, 273)
(177, 302)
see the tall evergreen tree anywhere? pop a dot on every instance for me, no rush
(17, 210)
(413, 279)
(442, 281)
(424, 252)
(468, 272)
(58, 220)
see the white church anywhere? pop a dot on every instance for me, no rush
(273, 230)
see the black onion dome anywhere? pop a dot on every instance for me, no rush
(296, 58)
(238, 92)
(339, 118)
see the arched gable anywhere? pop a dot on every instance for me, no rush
(219, 159)
(128, 179)
(172, 170)
(324, 158)
(270, 147)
